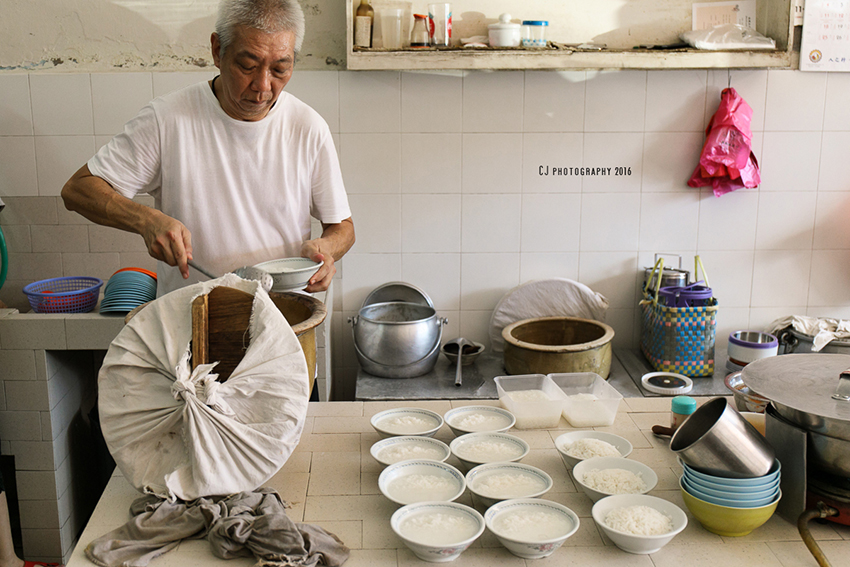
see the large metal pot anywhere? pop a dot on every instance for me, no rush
(396, 333)
(808, 390)
(416, 368)
(792, 341)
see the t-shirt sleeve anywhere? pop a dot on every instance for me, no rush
(329, 204)
(131, 161)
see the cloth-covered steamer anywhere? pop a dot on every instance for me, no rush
(180, 434)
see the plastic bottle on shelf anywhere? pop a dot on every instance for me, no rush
(363, 19)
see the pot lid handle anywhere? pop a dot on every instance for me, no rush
(842, 392)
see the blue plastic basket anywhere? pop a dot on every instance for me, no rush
(77, 294)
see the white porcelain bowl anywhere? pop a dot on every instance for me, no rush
(495, 482)
(392, 450)
(648, 475)
(409, 482)
(530, 527)
(406, 421)
(633, 543)
(437, 531)
(567, 439)
(290, 274)
(475, 449)
(472, 419)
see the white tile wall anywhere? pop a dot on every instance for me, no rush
(443, 171)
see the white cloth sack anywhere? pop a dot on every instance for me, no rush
(181, 434)
(822, 329)
(555, 297)
(727, 36)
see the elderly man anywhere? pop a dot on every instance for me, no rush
(236, 166)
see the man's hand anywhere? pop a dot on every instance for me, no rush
(169, 240)
(321, 280)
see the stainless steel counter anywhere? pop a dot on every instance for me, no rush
(627, 368)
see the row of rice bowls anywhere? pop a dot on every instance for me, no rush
(437, 529)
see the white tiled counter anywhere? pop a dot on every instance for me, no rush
(331, 480)
(48, 374)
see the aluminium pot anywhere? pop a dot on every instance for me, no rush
(554, 345)
(409, 370)
(396, 333)
(811, 392)
(792, 341)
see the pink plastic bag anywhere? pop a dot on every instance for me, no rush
(727, 162)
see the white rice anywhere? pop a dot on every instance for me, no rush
(407, 451)
(509, 485)
(489, 451)
(435, 528)
(614, 481)
(639, 520)
(406, 424)
(588, 447)
(529, 396)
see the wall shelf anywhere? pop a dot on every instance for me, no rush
(774, 20)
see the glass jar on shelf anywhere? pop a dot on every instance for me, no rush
(419, 36)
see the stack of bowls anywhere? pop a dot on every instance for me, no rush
(127, 289)
(730, 506)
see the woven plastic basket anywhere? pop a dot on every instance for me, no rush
(77, 294)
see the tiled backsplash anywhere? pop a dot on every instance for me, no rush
(444, 177)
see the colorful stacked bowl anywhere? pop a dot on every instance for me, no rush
(730, 506)
(127, 289)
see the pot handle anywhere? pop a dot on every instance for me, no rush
(353, 320)
(442, 321)
(788, 341)
(842, 392)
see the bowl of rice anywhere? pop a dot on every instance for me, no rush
(406, 421)
(437, 531)
(475, 449)
(407, 447)
(577, 446)
(409, 482)
(494, 482)
(639, 523)
(472, 419)
(599, 477)
(531, 527)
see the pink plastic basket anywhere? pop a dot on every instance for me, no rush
(77, 294)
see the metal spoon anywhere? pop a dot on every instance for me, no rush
(459, 372)
(245, 272)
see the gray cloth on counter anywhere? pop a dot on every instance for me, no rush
(239, 525)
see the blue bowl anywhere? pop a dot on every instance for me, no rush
(725, 501)
(756, 493)
(730, 491)
(771, 475)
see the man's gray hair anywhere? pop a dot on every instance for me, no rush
(270, 16)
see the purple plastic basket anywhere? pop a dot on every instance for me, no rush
(76, 294)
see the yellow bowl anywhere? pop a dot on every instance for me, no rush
(726, 521)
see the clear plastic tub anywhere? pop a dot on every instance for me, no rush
(590, 400)
(534, 399)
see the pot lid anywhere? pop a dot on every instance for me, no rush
(399, 292)
(804, 383)
(504, 23)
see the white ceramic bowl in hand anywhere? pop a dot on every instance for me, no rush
(406, 421)
(495, 482)
(472, 419)
(409, 482)
(530, 527)
(563, 442)
(289, 274)
(634, 543)
(475, 449)
(407, 447)
(646, 474)
(437, 531)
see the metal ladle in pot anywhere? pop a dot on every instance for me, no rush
(466, 353)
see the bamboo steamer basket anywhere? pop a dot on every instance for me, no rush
(554, 345)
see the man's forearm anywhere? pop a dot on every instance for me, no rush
(96, 200)
(337, 238)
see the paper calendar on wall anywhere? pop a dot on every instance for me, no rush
(826, 36)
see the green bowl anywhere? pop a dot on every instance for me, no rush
(726, 521)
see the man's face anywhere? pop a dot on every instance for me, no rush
(254, 69)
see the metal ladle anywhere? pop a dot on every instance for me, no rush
(462, 358)
(245, 272)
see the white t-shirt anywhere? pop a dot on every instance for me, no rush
(245, 190)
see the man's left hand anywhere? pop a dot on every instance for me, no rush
(321, 280)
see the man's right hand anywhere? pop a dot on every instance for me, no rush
(169, 240)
